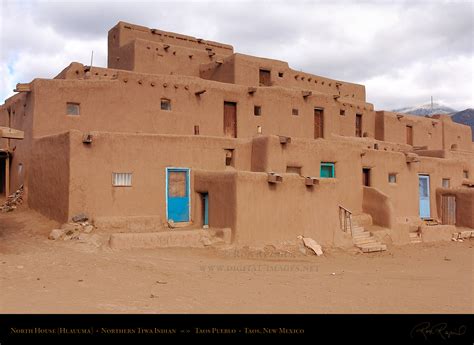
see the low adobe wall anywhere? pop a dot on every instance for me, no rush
(379, 206)
(48, 178)
(464, 204)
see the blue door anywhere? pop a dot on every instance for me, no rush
(177, 194)
(424, 191)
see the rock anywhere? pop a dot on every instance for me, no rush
(312, 244)
(81, 217)
(171, 224)
(71, 227)
(206, 241)
(56, 234)
(88, 229)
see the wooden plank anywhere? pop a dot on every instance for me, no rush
(10, 133)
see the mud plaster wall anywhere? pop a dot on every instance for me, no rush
(48, 178)
(134, 106)
(146, 157)
(404, 194)
(464, 204)
(273, 213)
(22, 106)
(309, 154)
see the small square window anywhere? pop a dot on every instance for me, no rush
(446, 183)
(122, 179)
(259, 129)
(465, 173)
(294, 112)
(72, 109)
(165, 104)
(327, 170)
(280, 74)
(257, 110)
(392, 178)
(342, 112)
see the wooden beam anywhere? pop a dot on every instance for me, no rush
(306, 93)
(22, 88)
(200, 92)
(10, 133)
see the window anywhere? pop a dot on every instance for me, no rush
(165, 104)
(122, 179)
(229, 157)
(342, 112)
(72, 109)
(259, 129)
(392, 178)
(294, 111)
(265, 77)
(293, 170)
(465, 173)
(358, 127)
(446, 183)
(280, 74)
(327, 170)
(196, 130)
(257, 110)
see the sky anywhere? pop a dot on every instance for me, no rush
(404, 52)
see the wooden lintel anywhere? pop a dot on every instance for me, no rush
(306, 93)
(200, 92)
(10, 133)
(252, 90)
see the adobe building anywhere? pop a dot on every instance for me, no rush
(184, 132)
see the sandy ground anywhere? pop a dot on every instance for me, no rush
(38, 275)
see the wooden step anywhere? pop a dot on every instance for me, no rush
(365, 241)
(356, 229)
(376, 248)
(361, 234)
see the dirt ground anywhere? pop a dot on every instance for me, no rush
(38, 275)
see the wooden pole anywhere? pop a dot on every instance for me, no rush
(7, 176)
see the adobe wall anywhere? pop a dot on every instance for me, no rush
(140, 49)
(48, 178)
(21, 117)
(274, 213)
(404, 194)
(246, 69)
(437, 133)
(464, 204)
(308, 154)
(146, 157)
(133, 105)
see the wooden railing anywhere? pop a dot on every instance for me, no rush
(345, 219)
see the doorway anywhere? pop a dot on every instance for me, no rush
(230, 119)
(264, 77)
(2, 176)
(205, 209)
(177, 194)
(318, 123)
(410, 135)
(366, 177)
(358, 127)
(448, 209)
(424, 195)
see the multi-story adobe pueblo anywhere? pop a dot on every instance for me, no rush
(183, 132)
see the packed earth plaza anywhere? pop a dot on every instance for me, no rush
(114, 180)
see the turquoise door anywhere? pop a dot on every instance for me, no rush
(177, 194)
(424, 194)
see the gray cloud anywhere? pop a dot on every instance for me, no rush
(403, 51)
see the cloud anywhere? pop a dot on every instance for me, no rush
(402, 51)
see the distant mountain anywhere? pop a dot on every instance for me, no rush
(466, 117)
(426, 109)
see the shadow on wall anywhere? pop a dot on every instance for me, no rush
(379, 206)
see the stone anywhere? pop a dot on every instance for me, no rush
(312, 244)
(56, 234)
(81, 217)
(71, 227)
(88, 229)
(206, 241)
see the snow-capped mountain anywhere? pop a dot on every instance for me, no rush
(466, 117)
(426, 109)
